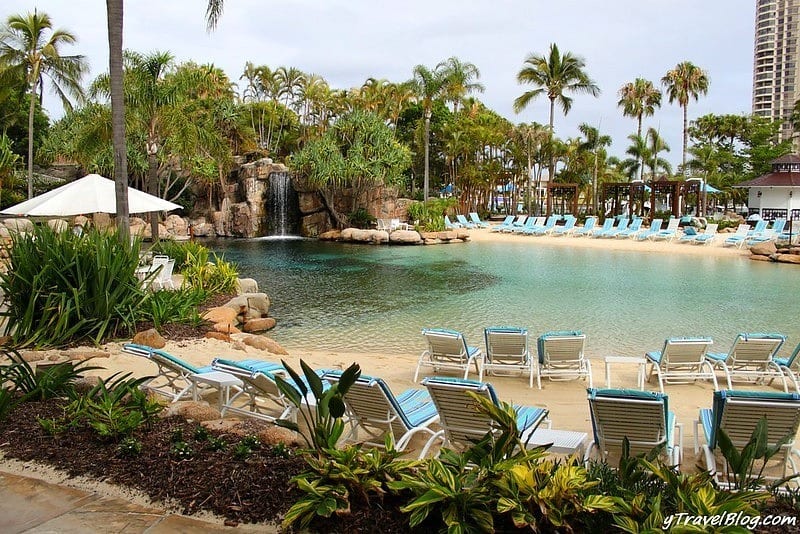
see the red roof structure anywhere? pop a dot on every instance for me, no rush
(785, 173)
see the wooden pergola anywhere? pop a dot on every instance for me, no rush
(634, 193)
(562, 196)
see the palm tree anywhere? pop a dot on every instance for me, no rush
(683, 82)
(460, 80)
(429, 84)
(554, 75)
(25, 47)
(638, 99)
(655, 145)
(594, 143)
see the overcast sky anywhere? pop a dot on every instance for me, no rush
(349, 41)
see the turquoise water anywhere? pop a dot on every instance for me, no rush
(360, 298)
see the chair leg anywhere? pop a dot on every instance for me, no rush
(589, 372)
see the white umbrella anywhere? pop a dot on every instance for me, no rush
(90, 194)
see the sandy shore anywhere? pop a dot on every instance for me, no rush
(647, 246)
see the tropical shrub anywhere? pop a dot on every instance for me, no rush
(218, 276)
(179, 306)
(360, 218)
(179, 251)
(40, 384)
(62, 288)
(429, 216)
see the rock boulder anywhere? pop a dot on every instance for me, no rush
(150, 338)
(405, 237)
(259, 325)
(767, 248)
(256, 305)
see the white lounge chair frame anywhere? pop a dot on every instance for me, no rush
(507, 352)
(263, 398)
(640, 416)
(462, 424)
(373, 408)
(173, 378)
(561, 357)
(750, 359)
(680, 361)
(448, 349)
(790, 367)
(740, 412)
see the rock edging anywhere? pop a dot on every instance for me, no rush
(769, 251)
(396, 237)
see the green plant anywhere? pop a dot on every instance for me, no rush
(218, 276)
(61, 288)
(129, 447)
(201, 433)
(41, 384)
(178, 250)
(280, 449)
(176, 436)
(216, 444)
(360, 218)
(181, 450)
(252, 442)
(242, 450)
(324, 419)
(7, 402)
(179, 306)
(429, 216)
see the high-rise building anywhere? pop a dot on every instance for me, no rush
(776, 85)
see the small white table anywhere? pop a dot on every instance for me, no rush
(564, 441)
(630, 360)
(219, 380)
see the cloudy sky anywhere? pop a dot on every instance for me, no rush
(349, 41)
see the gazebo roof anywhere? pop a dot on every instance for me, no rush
(788, 158)
(785, 173)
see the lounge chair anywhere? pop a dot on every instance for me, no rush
(567, 228)
(708, 235)
(519, 222)
(174, 374)
(790, 367)
(507, 222)
(373, 408)
(669, 233)
(655, 227)
(448, 349)
(622, 225)
(768, 235)
(464, 222)
(548, 226)
(689, 233)
(462, 424)
(264, 400)
(586, 229)
(643, 417)
(608, 224)
(507, 352)
(164, 277)
(450, 225)
(738, 238)
(738, 413)
(633, 228)
(561, 357)
(750, 358)
(476, 220)
(530, 223)
(682, 360)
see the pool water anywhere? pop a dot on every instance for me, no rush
(362, 298)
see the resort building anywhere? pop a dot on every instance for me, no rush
(776, 86)
(776, 195)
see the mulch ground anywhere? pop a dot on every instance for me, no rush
(257, 489)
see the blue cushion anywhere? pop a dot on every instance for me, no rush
(527, 416)
(654, 356)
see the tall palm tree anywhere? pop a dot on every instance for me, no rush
(554, 75)
(655, 145)
(430, 85)
(461, 79)
(594, 143)
(26, 47)
(638, 99)
(683, 82)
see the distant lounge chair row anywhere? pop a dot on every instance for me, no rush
(462, 222)
(560, 354)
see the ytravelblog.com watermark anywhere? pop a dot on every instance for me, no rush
(728, 519)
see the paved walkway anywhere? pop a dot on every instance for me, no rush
(31, 505)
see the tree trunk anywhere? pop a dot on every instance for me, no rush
(426, 180)
(114, 15)
(641, 156)
(594, 185)
(685, 132)
(152, 185)
(552, 168)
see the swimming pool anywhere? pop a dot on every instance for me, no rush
(361, 298)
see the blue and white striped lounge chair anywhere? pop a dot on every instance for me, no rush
(633, 228)
(643, 417)
(373, 408)
(655, 227)
(750, 358)
(174, 374)
(476, 220)
(448, 349)
(738, 238)
(567, 228)
(608, 224)
(464, 222)
(681, 360)
(737, 413)
(462, 424)
(450, 225)
(768, 235)
(588, 227)
(561, 356)
(507, 352)
(669, 233)
(708, 235)
(507, 222)
(621, 226)
(790, 367)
